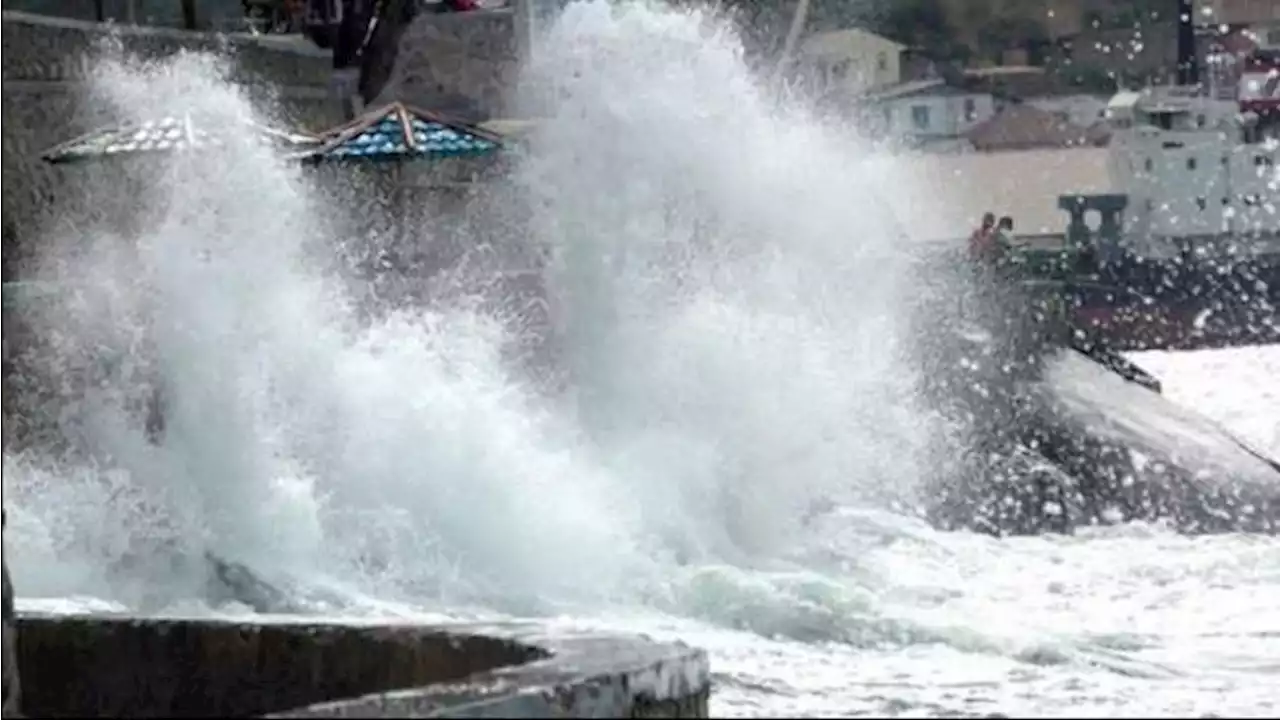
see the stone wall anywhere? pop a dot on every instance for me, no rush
(95, 667)
(447, 62)
(465, 63)
(462, 63)
(47, 63)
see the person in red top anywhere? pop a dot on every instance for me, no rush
(983, 240)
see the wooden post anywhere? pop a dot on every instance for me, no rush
(524, 28)
(798, 22)
(189, 15)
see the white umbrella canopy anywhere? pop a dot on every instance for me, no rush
(168, 134)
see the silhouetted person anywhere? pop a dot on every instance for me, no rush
(980, 242)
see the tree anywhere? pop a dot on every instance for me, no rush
(915, 23)
(1007, 33)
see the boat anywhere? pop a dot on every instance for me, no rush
(1185, 252)
(1054, 430)
(1063, 431)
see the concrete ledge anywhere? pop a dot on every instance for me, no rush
(44, 48)
(88, 666)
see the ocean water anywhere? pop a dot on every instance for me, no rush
(732, 302)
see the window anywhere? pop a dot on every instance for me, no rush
(1202, 203)
(920, 117)
(1148, 165)
(1191, 163)
(970, 109)
(1263, 161)
(882, 61)
(840, 70)
(1200, 121)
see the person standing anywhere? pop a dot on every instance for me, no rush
(981, 242)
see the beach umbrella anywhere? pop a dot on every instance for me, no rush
(398, 132)
(169, 134)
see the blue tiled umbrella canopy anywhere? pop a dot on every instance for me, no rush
(398, 132)
(167, 134)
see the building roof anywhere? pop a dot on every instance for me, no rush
(1023, 127)
(1003, 71)
(399, 132)
(1124, 100)
(935, 86)
(169, 134)
(1012, 81)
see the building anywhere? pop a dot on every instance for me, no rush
(850, 62)
(1190, 168)
(1083, 110)
(927, 113)
(1240, 12)
(1023, 126)
(956, 188)
(1104, 55)
(1011, 81)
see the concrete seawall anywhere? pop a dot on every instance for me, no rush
(118, 666)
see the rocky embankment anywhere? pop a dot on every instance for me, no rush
(1057, 433)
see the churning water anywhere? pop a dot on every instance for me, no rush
(733, 461)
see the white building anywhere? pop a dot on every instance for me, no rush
(927, 112)
(850, 61)
(1192, 167)
(1240, 12)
